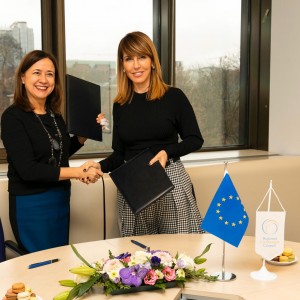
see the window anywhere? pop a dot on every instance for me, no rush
(208, 38)
(216, 51)
(92, 38)
(20, 32)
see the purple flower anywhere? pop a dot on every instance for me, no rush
(147, 265)
(133, 275)
(155, 261)
(180, 263)
(123, 255)
(116, 280)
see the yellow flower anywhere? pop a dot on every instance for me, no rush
(62, 296)
(83, 270)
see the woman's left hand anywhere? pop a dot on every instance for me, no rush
(161, 156)
(101, 119)
(81, 139)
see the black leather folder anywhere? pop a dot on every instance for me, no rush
(139, 183)
(83, 105)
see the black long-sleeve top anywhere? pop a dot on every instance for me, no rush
(28, 150)
(157, 125)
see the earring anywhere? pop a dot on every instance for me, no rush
(153, 68)
(123, 70)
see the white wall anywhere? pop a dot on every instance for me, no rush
(285, 78)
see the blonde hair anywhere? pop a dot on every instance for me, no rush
(136, 44)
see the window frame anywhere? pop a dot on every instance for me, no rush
(255, 60)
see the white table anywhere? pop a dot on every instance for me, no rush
(241, 261)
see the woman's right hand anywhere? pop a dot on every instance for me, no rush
(90, 172)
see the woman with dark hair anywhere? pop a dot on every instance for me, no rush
(148, 113)
(38, 148)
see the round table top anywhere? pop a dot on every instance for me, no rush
(240, 261)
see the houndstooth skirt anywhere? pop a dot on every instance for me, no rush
(176, 212)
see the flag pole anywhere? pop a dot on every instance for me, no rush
(225, 276)
(223, 262)
(263, 273)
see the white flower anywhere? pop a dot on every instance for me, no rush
(185, 262)
(139, 257)
(113, 275)
(81, 278)
(159, 274)
(132, 263)
(112, 265)
(166, 257)
(180, 273)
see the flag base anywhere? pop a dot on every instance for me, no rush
(263, 274)
(224, 276)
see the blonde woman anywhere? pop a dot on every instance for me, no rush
(147, 113)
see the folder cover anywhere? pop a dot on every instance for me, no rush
(83, 105)
(139, 183)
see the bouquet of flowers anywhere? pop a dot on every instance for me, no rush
(121, 273)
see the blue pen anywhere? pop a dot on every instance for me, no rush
(140, 245)
(43, 263)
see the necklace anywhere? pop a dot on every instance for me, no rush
(55, 145)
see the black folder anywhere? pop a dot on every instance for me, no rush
(139, 183)
(83, 105)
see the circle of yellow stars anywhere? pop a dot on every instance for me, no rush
(226, 222)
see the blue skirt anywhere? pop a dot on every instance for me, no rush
(41, 221)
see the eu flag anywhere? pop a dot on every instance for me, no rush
(226, 217)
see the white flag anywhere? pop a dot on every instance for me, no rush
(269, 233)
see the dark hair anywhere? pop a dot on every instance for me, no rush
(138, 43)
(54, 100)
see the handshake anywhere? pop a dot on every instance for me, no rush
(90, 172)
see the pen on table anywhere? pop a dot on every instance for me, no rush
(43, 263)
(140, 245)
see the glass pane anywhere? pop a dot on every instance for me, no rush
(20, 32)
(208, 66)
(93, 32)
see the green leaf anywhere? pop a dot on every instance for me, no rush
(110, 286)
(80, 257)
(86, 286)
(160, 285)
(197, 258)
(200, 271)
(207, 248)
(110, 255)
(74, 292)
